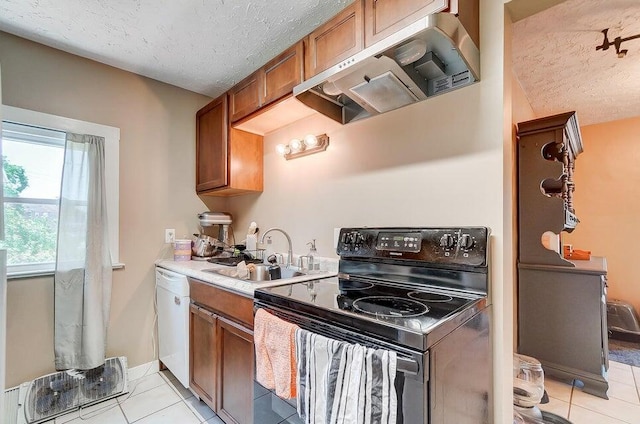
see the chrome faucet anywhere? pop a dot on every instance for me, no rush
(290, 252)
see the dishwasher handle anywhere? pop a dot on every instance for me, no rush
(174, 283)
(170, 274)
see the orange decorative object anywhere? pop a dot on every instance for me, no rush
(577, 255)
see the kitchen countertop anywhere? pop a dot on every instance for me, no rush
(195, 269)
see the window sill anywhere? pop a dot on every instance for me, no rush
(43, 273)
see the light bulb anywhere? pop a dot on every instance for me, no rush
(311, 140)
(282, 149)
(296, 145)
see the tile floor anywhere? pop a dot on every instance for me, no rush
(157, 398)
(160, 399)
(623, 406)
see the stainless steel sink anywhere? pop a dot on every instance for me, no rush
(290, 273)
(231, 272)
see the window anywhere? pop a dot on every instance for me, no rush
(33, 155)
(32, 158)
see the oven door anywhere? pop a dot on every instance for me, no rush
(411, 377)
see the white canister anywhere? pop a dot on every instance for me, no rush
(182, 250)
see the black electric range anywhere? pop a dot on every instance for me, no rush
(407, 286)
(418, 292)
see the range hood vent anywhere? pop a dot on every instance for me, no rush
(431, 56)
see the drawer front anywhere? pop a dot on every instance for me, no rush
(234, 306)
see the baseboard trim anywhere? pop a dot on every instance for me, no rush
(143, 370)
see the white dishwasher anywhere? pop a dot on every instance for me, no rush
(172, 297)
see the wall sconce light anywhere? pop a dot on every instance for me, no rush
(307, 146)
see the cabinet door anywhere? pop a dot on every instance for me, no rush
(211, 145)
(604, 326)
(283, 73)
(335, 41)
(202, 352)
(384, 17)
(244, 97)
(235, 370)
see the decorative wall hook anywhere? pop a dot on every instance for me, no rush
(617, 42)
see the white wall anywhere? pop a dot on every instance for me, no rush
(157, 179)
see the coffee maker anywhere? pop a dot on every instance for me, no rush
(217, 225)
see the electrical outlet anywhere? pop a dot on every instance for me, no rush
(169, 235)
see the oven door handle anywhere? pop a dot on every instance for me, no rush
(403, 364)
(407, 366)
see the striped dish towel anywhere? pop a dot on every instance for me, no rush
(343, 383)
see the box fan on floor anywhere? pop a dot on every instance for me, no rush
(62, 392)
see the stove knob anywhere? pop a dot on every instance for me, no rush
(446, 241)
(466, 242)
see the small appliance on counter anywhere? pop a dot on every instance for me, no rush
(216, 236)
(203, 247)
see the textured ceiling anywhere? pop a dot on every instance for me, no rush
(202, 45)
(559, 68)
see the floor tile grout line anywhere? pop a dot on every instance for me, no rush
(588, 408)
(95, 412)
(123, 414)
(133, 392)
(573, 387)
(636, 382)
(154, 412)
(175, 389)
(192, 411)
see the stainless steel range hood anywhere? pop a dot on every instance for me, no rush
(431, 56)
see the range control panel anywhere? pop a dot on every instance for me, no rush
(454, 246)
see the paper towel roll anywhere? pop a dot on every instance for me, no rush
(252, 242)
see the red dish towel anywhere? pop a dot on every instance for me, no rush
(274, 341)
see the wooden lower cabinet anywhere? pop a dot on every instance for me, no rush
(221, 351)
(203, 343)
(235, 356)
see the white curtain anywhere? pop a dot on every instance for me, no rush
(83, 264)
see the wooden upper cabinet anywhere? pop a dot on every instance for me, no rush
(335, 41)
(384, 17)
(211, 145)
(244, 97)
(282, 73)
(228, 161)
